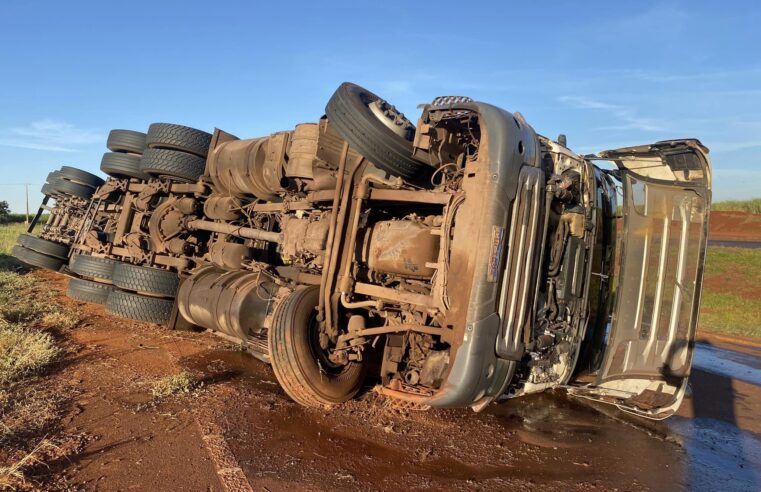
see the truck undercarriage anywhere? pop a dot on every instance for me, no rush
(472, 257)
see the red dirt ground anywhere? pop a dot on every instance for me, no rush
(240, 432)
(734, 226)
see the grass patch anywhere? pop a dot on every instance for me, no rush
(24, 299)
(27, 411)
(184, 382)
(24, 352)
(724, 260)
(8, 235)
(731, 300)
(730, 313)
(752, 206)
(31, 319)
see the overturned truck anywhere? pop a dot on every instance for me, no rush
(451, 263)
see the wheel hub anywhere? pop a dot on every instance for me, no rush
(393, 119)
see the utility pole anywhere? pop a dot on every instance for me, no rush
(26, 217)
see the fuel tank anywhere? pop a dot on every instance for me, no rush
(234, 303)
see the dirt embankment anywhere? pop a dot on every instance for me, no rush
(734, 226)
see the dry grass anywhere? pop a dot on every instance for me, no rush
(184, 382)
(27, 411)
(24, 352)
(24, 299)
(31, 322)
(12, 476)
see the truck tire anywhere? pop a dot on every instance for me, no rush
(172, 164)
(350, 115)
(139, 308)
(48, 190)
(52, 176)
(44, 246)
(146, 280)
(93, 267)
(80, 176)
(70, 188)
(126, 141)
(33, 258)
(178, 137)
(122, 166)
(301, 367)
(87, 291)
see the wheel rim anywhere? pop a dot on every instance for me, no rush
(318, 353)
(392, 118)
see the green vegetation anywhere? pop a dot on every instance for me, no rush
(184, 382)
(746, 262)
(752, 206)
(6, 217)
(8, 235)
(729, 313)
(731, 301)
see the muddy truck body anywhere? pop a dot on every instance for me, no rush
(453, 262)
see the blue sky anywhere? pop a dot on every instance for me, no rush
(608, 74)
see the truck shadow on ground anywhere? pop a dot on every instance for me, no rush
(720, 454)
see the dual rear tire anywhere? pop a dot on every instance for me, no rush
(37, 259)
(129, 291)
(175, 152)
(72, 182)
(88, 291)
(123, 162)
(142, 293)
(138, 307)
(44, 246)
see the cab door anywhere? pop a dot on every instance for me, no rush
(667, 196)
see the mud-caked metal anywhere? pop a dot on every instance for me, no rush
(464, 258)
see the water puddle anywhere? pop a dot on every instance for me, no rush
(549, 437)
(734, 365)
(719, 455)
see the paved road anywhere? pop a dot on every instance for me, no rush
(734, 244)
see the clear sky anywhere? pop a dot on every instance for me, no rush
(608, 73)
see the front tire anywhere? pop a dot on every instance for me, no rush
(349, 112)
(301, 367)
